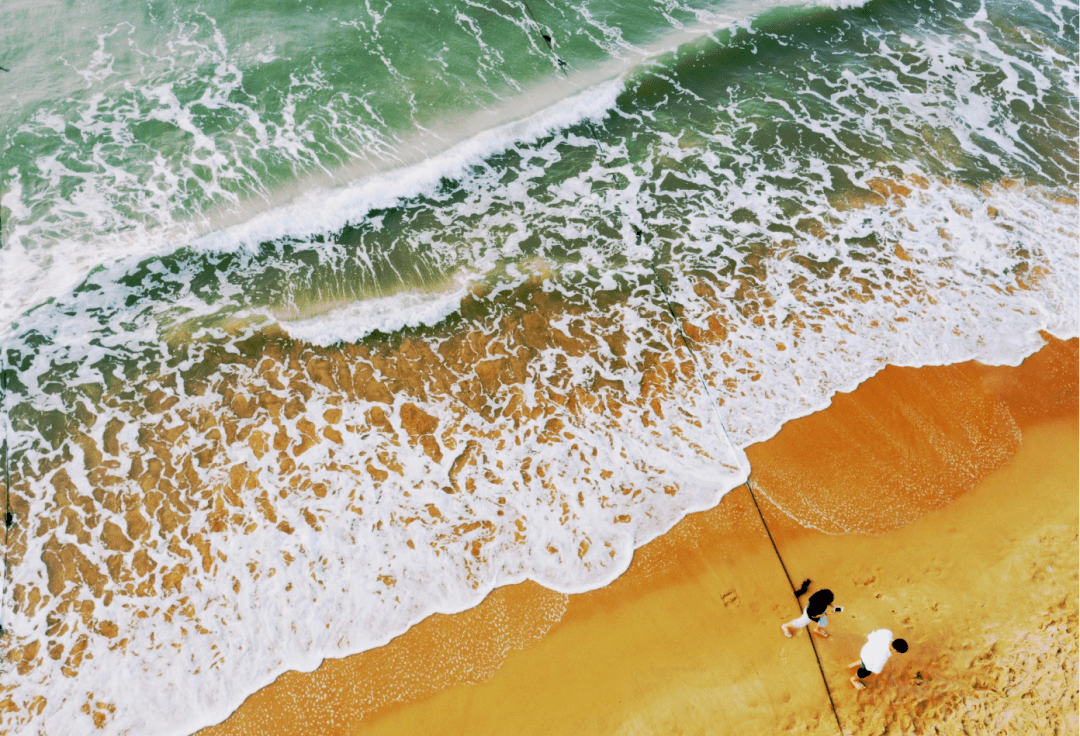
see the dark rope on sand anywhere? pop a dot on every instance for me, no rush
(753, 496)
(813, 645)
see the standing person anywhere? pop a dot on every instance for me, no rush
(875, 653)
(819, 603)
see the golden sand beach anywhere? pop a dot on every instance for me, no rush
(938, 502)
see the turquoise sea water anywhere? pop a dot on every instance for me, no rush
(320, 318)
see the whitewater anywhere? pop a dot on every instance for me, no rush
(318, 323)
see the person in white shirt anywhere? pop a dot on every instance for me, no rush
(875, 653)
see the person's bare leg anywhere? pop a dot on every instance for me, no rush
(786, 628)
(856, 663)
(857, 683)
(821, 632)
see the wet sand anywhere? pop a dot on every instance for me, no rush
(939, 502)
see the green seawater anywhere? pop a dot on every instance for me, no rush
(190, 192)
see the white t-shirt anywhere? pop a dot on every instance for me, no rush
(876, 651)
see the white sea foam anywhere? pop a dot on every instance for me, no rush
(115, 213)
(327, 210)
(388, 314)
(353, 583)
(337, 545)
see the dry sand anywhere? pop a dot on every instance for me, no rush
(939, 502)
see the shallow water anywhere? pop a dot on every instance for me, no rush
(320, 320)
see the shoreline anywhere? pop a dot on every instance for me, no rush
(537, 348)
(372, 689)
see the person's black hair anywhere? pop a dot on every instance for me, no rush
(803, 588)
(899, 645)
(820, 599)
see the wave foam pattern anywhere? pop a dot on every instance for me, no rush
(215, 500)
(171, 122)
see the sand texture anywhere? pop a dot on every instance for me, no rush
(939, 502)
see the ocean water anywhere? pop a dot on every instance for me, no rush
(318, 319)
